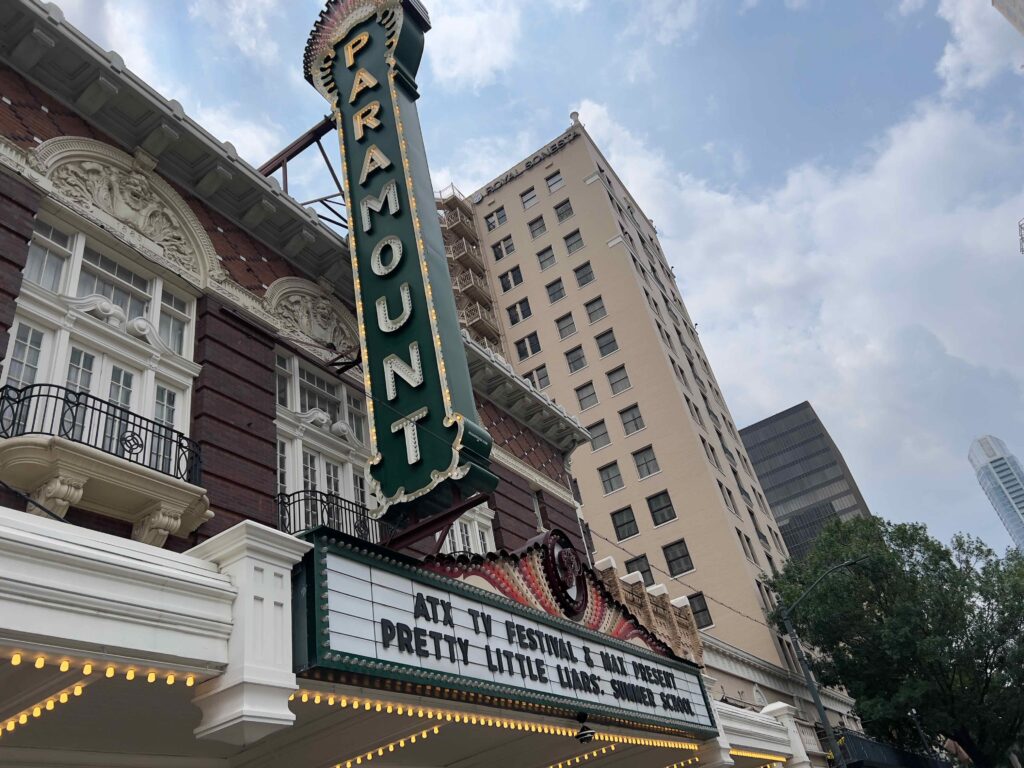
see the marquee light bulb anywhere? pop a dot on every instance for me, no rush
(151, 677)
(40, 662)
(87, 669)
(109, 672)
(77, 690)
(129, 675)
(15, 659)
(63, 698)
(65, 665)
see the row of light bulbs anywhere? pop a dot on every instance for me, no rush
(430, 713)
(684, 763)
(110, 670)
(46, 705)
(389, 747)
(599, 752)
(758, 755)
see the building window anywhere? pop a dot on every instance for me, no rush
(356, 410)
(586, 396)
(49, 251)
(473, 533)
(576, 359)
(641, 566)
(539, 377)
(646, 462)
(677, 557)
(611, 477)
(710, 451)
(701, 614)
(537, 227)
(519, 311)
(556, 290)
(660, 507)
(618, 380)
(563, 210)
(23, 367)
(529, 197)
(573, 241)
(727, 497)
(566, 326)
(504, 247)
(546, 258)
(174, 319)
(584, 274)
(510, 279)
(606, 343)
(632, 420)
(554, 181)
(624, 524)
(528, 345)
(317, 393)
(599, 437)
(495, 218)
(125, 288)
(595, 309)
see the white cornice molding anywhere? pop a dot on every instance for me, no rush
(523, 469)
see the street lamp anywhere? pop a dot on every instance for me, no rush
(812, 685)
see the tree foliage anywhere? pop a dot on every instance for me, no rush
(917, 625)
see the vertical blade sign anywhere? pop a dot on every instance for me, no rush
(428, 447)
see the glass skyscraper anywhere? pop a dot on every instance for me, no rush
(1002, 479)
(803, 474)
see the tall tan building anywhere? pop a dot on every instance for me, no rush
(590, 312)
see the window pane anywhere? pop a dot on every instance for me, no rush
(576, 359)
(632, 420)
(584, 274)
(624, 523)
(641, 566)
(586, 395)
(24, 364)
(618, 380)
(529, 197)
(537, 227)
(546, 258)
(595, 309)
(646, 462)
(598, 435)
(563, 210)
(701, 614)
(573, 241)
(565, 325)
(660, 506)
(677, 557)
(556, 290)
(606, 343)
(611, 478)
(555, 181)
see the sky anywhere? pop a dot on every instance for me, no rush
(837, 184)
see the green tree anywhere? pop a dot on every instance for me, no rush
(917, 625)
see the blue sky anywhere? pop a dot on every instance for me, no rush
(837, 183)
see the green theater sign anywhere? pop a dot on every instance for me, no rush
(429, 451)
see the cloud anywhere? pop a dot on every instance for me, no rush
(573, 6)
(983, 45)
(472, 43)
(672, 19)
(477, 161)
(880, 293)
(909, 7)
(256, 140)
(128, 29)
(248, 24)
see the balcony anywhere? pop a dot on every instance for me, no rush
(451, 198)
(477, 318)
(861, 750)
(71, 449)
(468, 284)
(303, 510)
(465, 254)
(457, 222)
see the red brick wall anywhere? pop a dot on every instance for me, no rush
(18, 206)
(233, 409)
(515, 521)
(522, 442)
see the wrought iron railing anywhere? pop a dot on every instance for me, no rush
(863, 750)
(47, 409)
(303, 510)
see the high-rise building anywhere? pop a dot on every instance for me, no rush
(803, 474)
(1002, 478)
(590, 313)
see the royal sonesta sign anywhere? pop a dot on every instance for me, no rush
(425, 439)
(367, 616)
